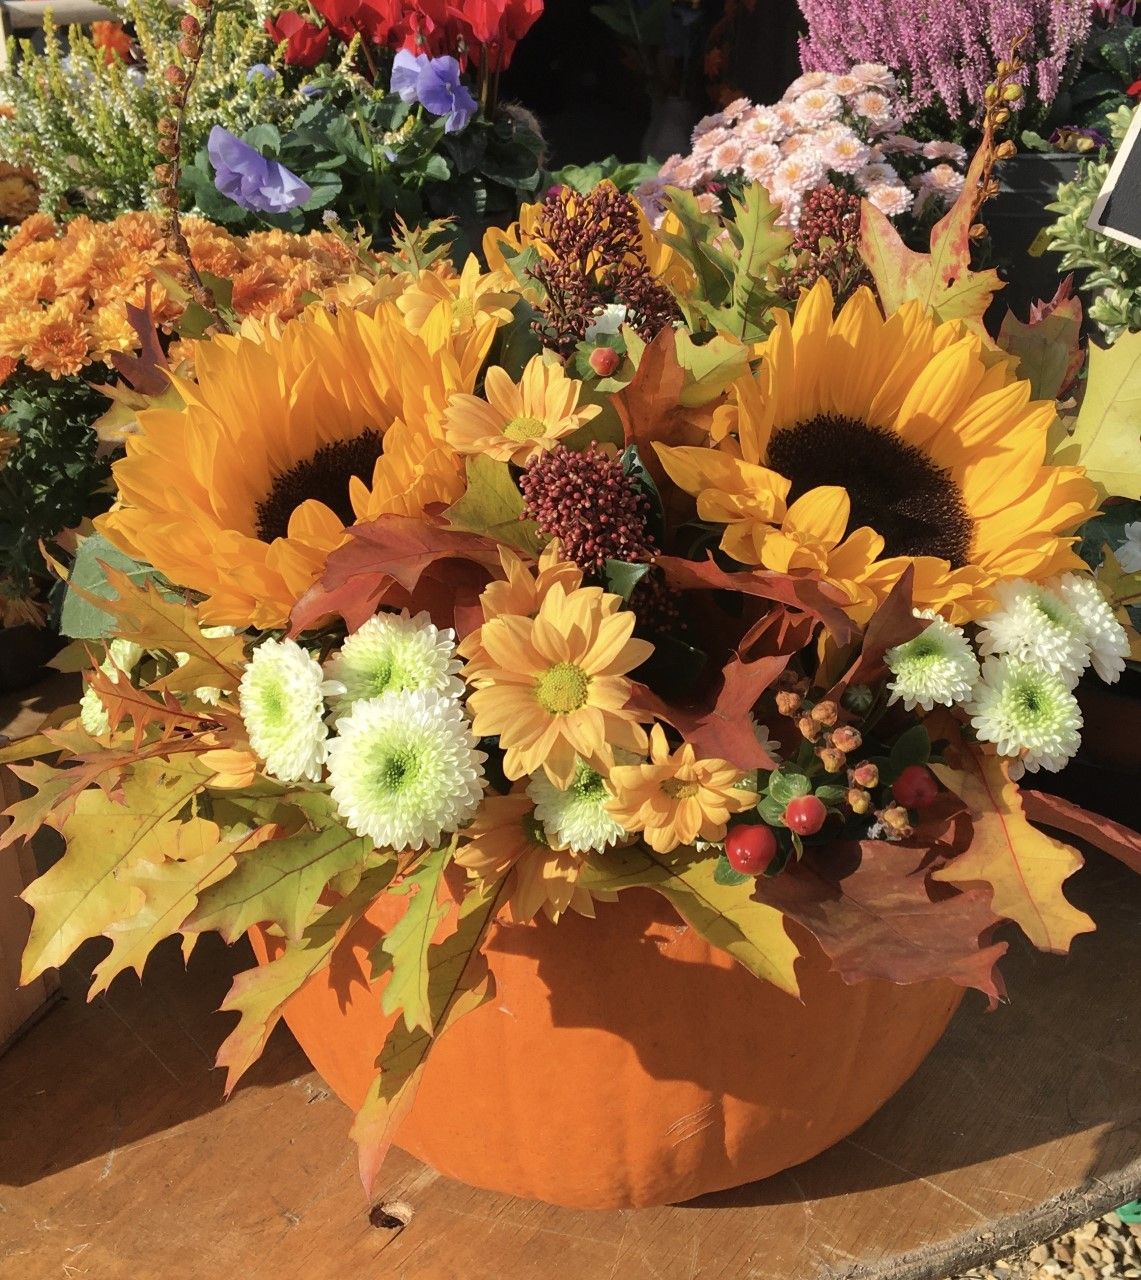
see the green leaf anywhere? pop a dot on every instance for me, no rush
(725, 914)
(724, 873)
(494, 506)
(409, 940)
(260, 995)
(79, 618)
(911, 747)
(1105, 437)
(280, 881)
(622, 576)
(772, 811)
(458, 982)
(833, 797)
(786, 783)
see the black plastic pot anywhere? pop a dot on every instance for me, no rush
(24, 653)
(1014, 218)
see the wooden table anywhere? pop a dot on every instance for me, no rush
(119, 1160)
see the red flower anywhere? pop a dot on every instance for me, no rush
(497, 26)
(1134, 90)
(305, 42)
(374, 19)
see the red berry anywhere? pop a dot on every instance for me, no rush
(805, 815)
(915, 788)
(750, 849)
(604, 360)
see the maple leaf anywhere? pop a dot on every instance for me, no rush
(386, 551)
(725, 730)
(406, 945)
(1023, 867)
(492, 504)
(942, 279)
(724, 914)
(87, 890)
(1106, 438)
(170, 891)
(808, 594)
(1063, 815)
(458, 982)
(1048, 346)
(259, 996)
(870, 907)
(281, 880)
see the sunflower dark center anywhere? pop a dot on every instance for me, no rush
(324, 476)
(895, 488)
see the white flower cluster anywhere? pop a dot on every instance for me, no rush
(403, 768)
(122, 658)
(1035, 644)
(842, 129)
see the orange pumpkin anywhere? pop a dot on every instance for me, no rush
(624, 1062)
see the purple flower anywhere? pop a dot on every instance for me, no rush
(260, 69)
(435, 84)
(251, 179)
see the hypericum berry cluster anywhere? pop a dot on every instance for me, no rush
(590, 504)
(827, 243)
(596, 259)
(658, 606)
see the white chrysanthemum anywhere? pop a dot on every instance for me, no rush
(761, 733)
(393, 653)
(936, 666)
(122, 658)
(404, 769)
(1107, 639)
(1034, 625)
(281, 697)
(210, 694)
(1027, 713)
(576, 818)
(1128, 554)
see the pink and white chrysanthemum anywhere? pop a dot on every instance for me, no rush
(816, 106)
(761, 162)
(874, 74)
(939, 150)
(728, 157)
(877, 172)
(873, 106)
(809, 80)
(890, 198)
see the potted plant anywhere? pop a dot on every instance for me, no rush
(601, 672)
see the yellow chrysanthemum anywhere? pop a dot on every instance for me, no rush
(555, 685)
(676, 798)
(516, 421)
(865, 445)
(282, 443)
(507, 839)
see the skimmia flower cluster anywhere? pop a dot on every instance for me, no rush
(843, 130)
(491, 594)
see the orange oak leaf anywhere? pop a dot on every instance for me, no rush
(1023, 867)
(1048, 345)
(873, 910)
(1063, 815)
(893, 623)
(941, 279)
(392, 552)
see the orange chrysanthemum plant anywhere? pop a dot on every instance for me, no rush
(478, 599)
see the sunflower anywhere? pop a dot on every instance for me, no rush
(516, 421)
(676, 798)
(505, 838)
(865, 445)
(555, 688)
(283, 441)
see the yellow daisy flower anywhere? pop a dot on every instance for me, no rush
(516, 421)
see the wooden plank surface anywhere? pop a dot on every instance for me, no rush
(119, 1161)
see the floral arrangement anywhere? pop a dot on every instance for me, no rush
(608, 567)
(945, 53)
(1109, 270)
(840, 131)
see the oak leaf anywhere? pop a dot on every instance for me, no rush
(408, 942)
(1023, 868)
(1048, 345)
(1063, 815)
(492, 505)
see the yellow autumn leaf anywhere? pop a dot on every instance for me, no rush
(1106, 438)
(1024, 867)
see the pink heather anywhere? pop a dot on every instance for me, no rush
(946, 50)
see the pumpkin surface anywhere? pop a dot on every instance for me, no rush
(623, 1061)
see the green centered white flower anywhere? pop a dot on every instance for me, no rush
(576, 818)
(1035, 625)
(404, 768)
(208, 694)
(282, 701)
(1107, 639)
(1027, 713)
(392, 653)
(936, 666)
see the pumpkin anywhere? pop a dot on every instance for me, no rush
(623, 1061)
